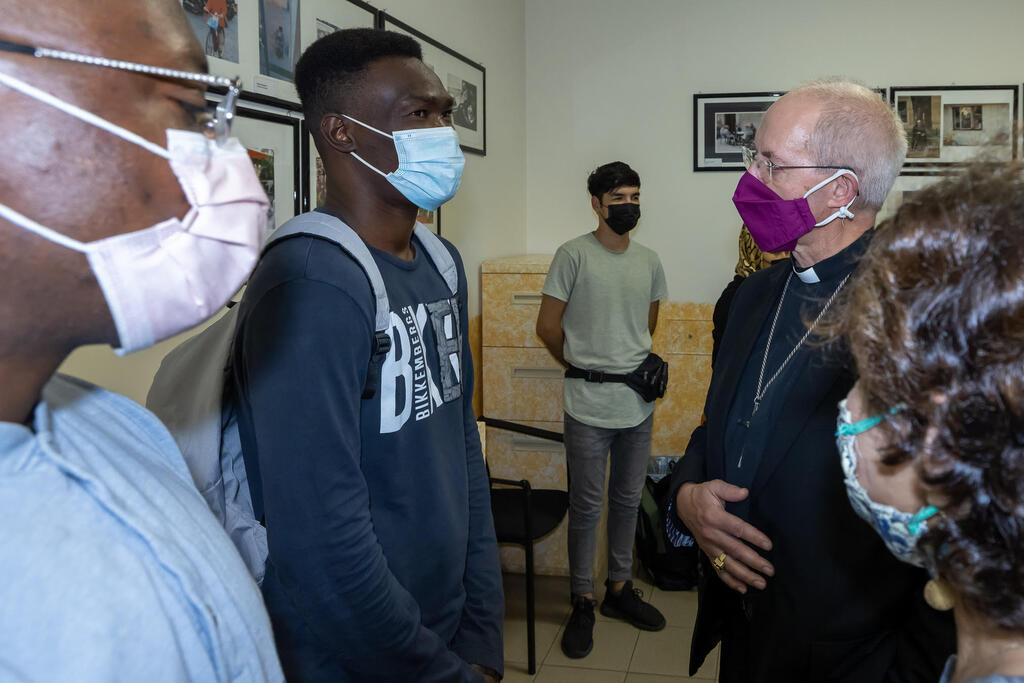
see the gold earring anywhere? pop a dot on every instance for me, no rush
(938, 595)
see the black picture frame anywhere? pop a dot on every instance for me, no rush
(464, 78)
(709, 154)
(933, 147)
(720, 127)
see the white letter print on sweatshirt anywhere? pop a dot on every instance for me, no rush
(408, 387)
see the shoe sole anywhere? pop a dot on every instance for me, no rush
(613, 613)
(579, 655)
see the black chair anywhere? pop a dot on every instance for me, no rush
(523, 514)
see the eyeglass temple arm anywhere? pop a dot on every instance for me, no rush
(45, 52)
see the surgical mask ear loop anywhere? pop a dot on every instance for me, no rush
(361, 160)
(41, 230)
(843, 211)
(81, 114)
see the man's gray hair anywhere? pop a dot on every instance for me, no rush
(859, 130)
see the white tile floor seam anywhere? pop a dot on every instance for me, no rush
(621, 652)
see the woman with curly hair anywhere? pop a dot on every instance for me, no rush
(932, 435)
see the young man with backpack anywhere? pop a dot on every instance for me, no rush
(361, 448)
(598, 312)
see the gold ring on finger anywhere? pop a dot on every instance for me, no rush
(719, 562)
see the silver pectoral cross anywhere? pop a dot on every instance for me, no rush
(753, 412)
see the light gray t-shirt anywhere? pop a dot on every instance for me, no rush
(608, 298)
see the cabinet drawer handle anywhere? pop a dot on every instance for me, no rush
(526, 298)
(537, 373)
(536, 445)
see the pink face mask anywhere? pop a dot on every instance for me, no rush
(165, 278)
(776, 223)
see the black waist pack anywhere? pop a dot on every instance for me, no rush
(649, 380)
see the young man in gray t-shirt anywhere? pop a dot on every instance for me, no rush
(598, 312)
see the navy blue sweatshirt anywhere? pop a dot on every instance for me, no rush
(383, 563)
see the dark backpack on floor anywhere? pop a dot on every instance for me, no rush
(670, 568)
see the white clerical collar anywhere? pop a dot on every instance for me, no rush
(808, 276)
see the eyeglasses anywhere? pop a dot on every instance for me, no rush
(215, 120)
(750, 159)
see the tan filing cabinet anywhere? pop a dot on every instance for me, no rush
(522, 383)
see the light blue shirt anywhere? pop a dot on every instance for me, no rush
(947, 675)
(112, 568)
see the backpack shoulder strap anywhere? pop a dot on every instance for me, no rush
(439, 255)
(324, 226)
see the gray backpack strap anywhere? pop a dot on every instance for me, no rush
(439, 254)
(335, 230)
(186, 395)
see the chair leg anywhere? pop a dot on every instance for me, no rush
(530, 634)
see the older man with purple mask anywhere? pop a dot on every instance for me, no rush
(795, 586)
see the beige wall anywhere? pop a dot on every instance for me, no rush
(485, 219)
(610, 80)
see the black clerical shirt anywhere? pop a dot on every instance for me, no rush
(747, 433)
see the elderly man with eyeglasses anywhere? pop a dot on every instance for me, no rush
(795, 586)
(127, 214)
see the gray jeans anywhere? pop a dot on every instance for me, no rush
(586, 449)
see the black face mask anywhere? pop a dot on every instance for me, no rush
(622, 217)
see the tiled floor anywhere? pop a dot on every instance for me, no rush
(622, 654)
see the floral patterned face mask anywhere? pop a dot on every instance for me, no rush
(899, 530)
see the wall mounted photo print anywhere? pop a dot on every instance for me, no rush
(322, 17)
(431, 219)
(272, 143)
(215, 25)
(955, 124)
(903, 190)
(724, 123)
(279, 38)
(465, 80)
(263, 163)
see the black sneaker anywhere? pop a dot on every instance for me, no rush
(627, 605)
(578, 637)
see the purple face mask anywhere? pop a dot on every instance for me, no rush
(776, 223)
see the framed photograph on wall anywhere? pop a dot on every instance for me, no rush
(431, 219)
(272, 140)
(954, 124)
(464, 79)
(902, 190)
(220, 26)
(321, 17)
(236, 47)
(723, 123)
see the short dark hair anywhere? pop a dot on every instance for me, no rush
(329, 72)
(610, 176)
(935, 320)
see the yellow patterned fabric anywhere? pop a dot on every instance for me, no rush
(751, 258)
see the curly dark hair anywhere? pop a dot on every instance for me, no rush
(609, 176)
(329, 72)
(934, 318)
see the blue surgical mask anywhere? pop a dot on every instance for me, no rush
(430, 164)
(899, 530)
